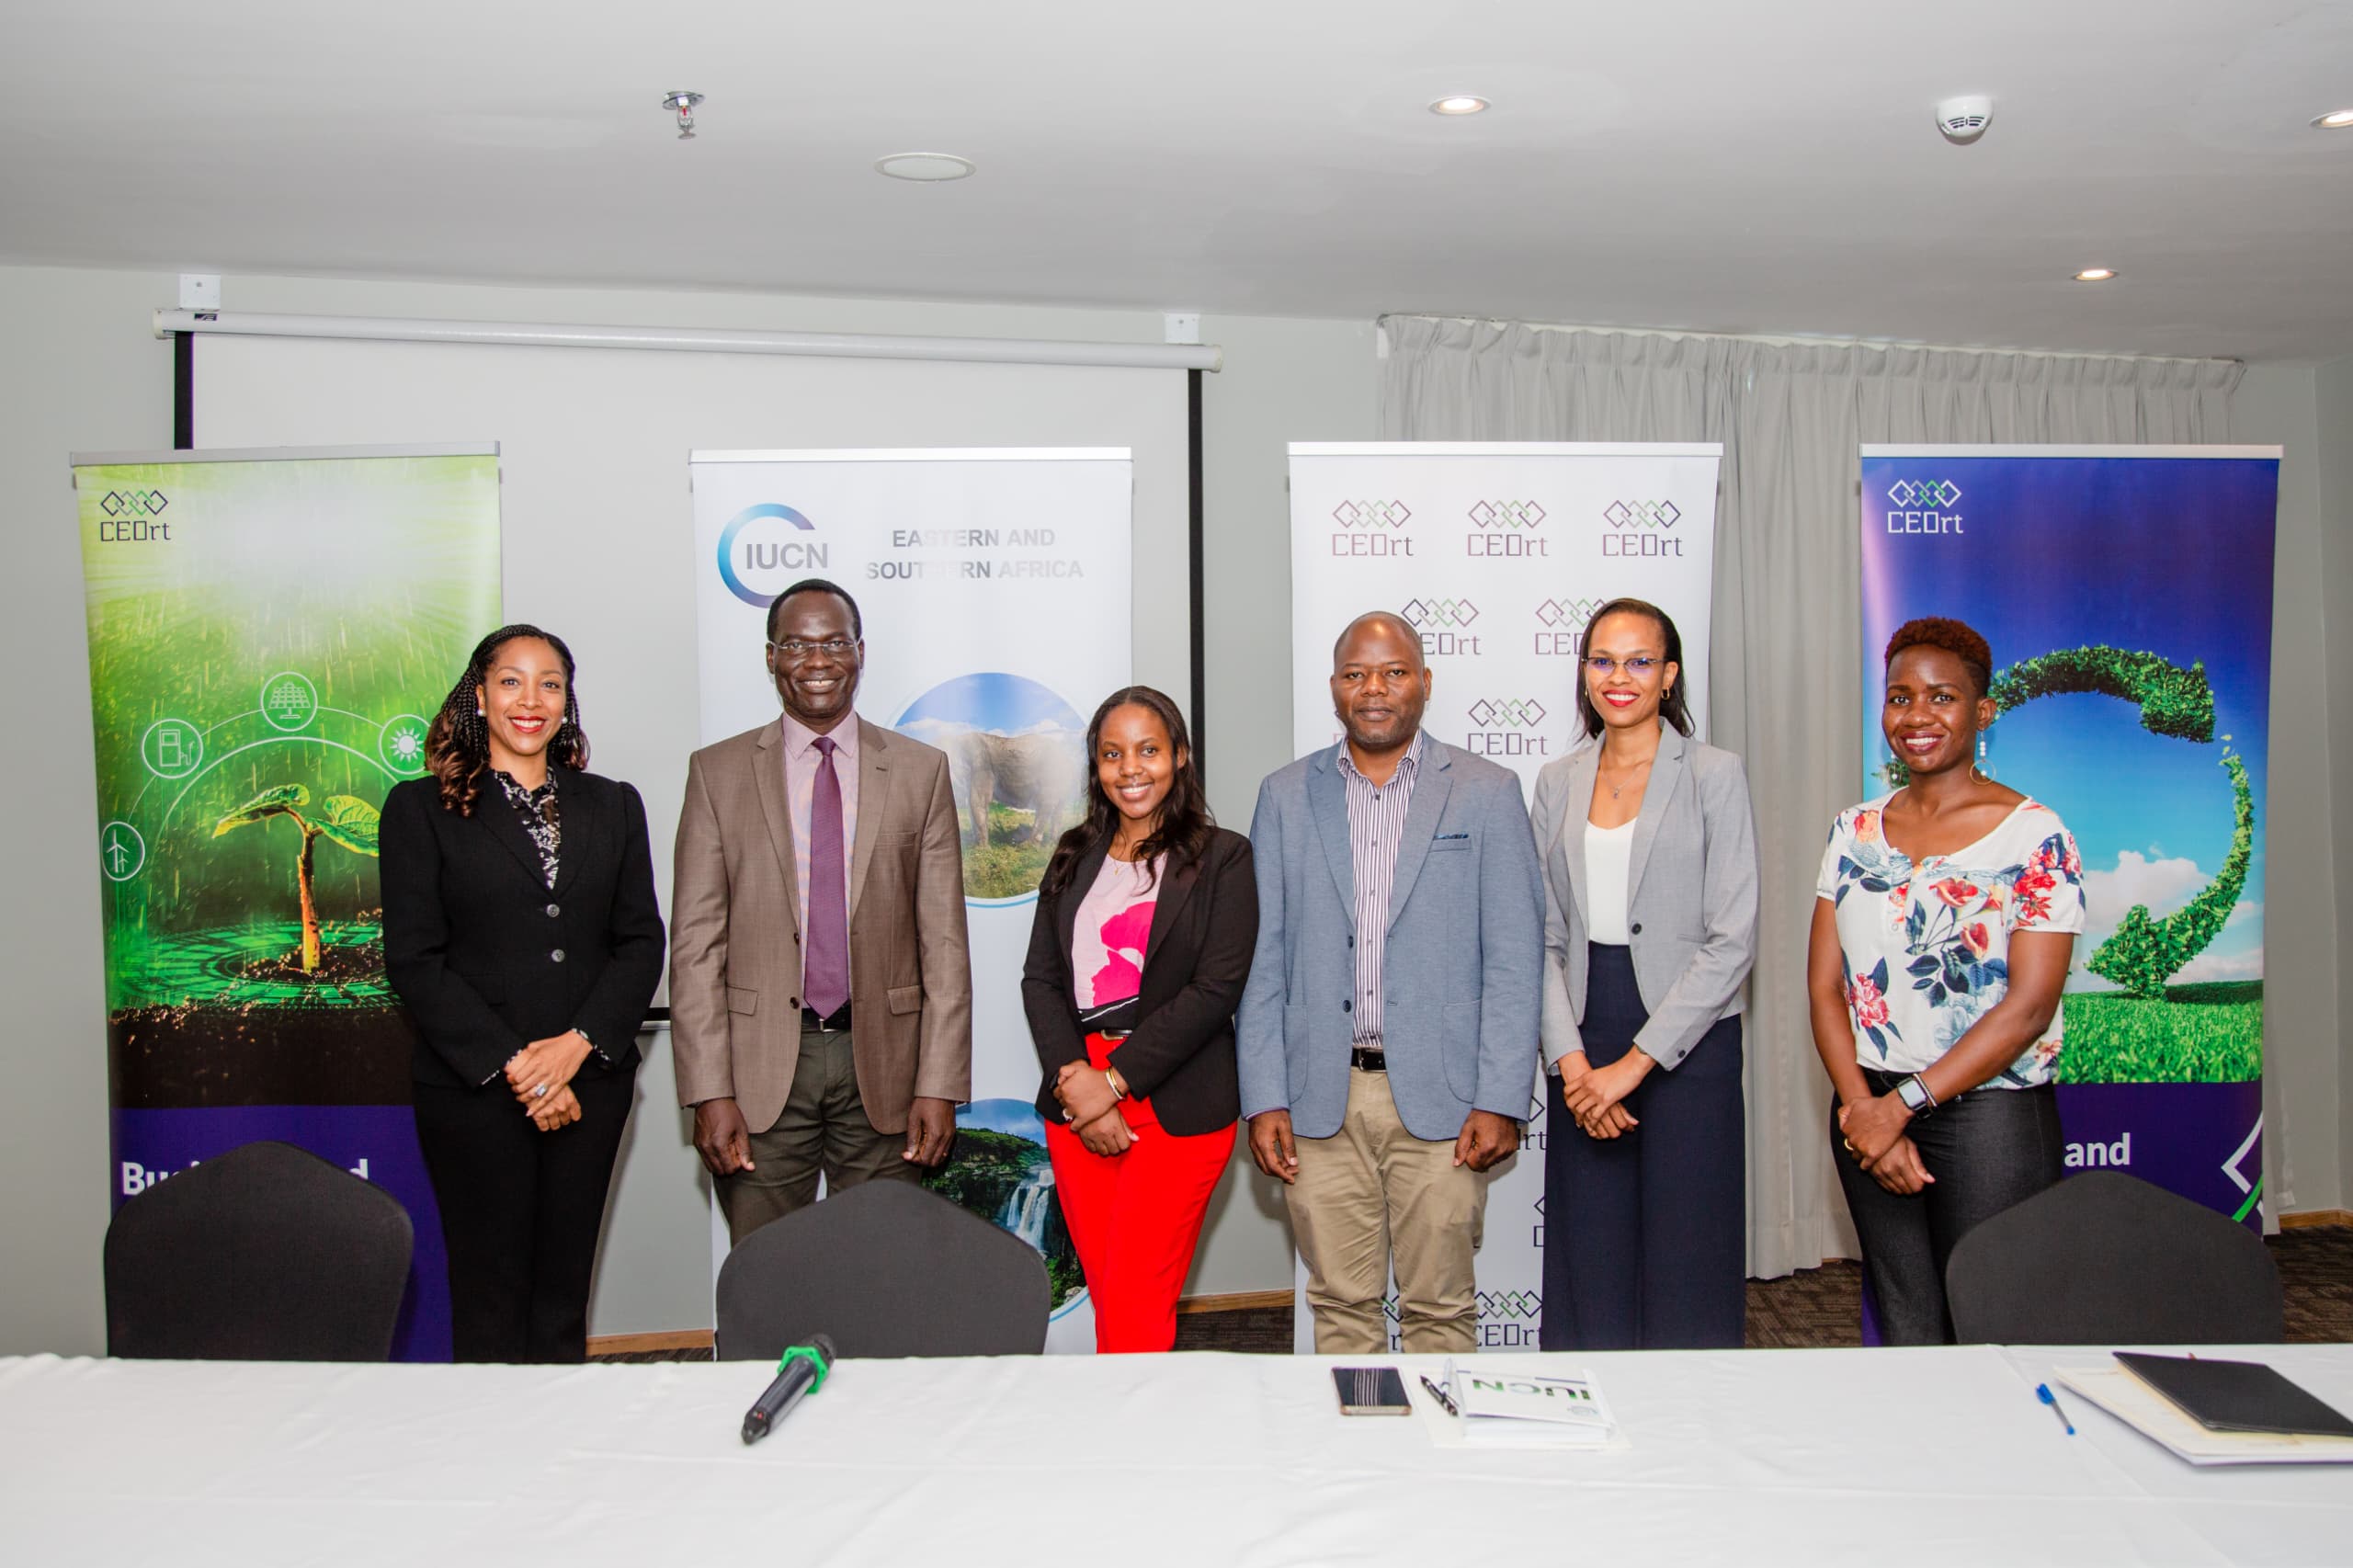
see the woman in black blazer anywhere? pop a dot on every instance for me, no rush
(521, 930)
(1146, 921)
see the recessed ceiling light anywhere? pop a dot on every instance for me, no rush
(1462, 103)
(923, 165)
(2336, 120)
(2095, 275)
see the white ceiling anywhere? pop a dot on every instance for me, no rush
(1727, 166)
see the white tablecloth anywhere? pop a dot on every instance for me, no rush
(1893, 1458)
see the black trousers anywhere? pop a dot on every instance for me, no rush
(1645, 1242)
(521, 1213)
(1988, 1149)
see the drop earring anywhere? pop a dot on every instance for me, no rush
(1977, 769)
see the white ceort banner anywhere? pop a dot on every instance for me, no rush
(993, 586)
(1497, 553)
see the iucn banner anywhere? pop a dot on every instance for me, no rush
(270, 633)
(993, 586)
(1497, 554)
(2127, 594)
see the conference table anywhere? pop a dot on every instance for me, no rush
(1759, 1457)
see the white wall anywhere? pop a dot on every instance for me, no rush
(79, 370)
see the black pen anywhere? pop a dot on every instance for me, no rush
(1445, 1399)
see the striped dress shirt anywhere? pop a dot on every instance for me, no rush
(1376, 831)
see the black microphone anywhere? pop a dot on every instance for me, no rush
(803, 1371)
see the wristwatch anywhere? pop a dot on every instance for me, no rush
(1913, 1091)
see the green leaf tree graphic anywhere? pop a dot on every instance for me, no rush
(348, 821)
(2144, 953)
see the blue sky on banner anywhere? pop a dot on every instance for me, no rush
(2169, 556)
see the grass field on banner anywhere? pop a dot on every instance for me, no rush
(2198, 1034)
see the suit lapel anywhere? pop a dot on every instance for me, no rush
(577, 812)
(1667, 777)
(1577, 810)
(768, 774)
(1168, 901)
(1328, 804)
(873, 797)
(1422, 814)
(499, 817)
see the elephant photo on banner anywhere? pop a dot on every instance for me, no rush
(1040, 776)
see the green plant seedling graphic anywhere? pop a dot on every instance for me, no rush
(348, 821)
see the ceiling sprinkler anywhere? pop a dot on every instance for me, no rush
(684, 103)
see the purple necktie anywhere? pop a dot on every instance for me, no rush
(825, 982)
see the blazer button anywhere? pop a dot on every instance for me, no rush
(555, 910)
(1635, 929)
(1352, 938)
(557, 956)
(1348, 1006)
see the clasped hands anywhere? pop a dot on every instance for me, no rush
(1872, 1130)
(541, 1076)
(1091, 1107)
(1596, 1096)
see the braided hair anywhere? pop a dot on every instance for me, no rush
(457, 746)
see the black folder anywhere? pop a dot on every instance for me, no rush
(2236, 1396)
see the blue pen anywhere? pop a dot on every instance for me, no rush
(2043, 1391)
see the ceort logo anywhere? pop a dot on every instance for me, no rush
(132, 517)
(1503, 725)
(1378, 520)
(1503, 527)
(759, 553)
(1440, 622)
(1923, 493)
(1922, 506)
(1635, 521)
(1562, 623)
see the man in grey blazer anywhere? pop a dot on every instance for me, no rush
(1388, 1034)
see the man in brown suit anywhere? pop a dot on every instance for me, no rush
(820, 995)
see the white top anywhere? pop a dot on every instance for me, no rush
(1609, 851)
(1927, 945)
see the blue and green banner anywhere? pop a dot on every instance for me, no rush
(270, 633)
(2126, 592)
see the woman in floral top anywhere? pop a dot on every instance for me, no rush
(1941, 937)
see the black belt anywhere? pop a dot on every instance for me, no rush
(1373, 1060)
(830, 1023)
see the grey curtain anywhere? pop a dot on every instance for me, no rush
(1787, 657)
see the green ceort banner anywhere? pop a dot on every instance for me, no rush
(270, 634)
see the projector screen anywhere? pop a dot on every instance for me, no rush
(598, 525)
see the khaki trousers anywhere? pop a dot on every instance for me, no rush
(1374, 1196)
(823, 1128)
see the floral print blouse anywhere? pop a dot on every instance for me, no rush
(1926, 946)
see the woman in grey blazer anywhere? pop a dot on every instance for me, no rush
(1650, 894)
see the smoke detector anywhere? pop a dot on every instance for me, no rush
(1964, 119)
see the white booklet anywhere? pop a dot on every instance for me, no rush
(1516, 1404)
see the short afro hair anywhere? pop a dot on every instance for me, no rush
(1960, 639)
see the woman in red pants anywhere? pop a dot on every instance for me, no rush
(1146, 920)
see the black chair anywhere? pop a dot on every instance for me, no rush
(2105, 1258)
(884, 1269)
(266, 1253)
